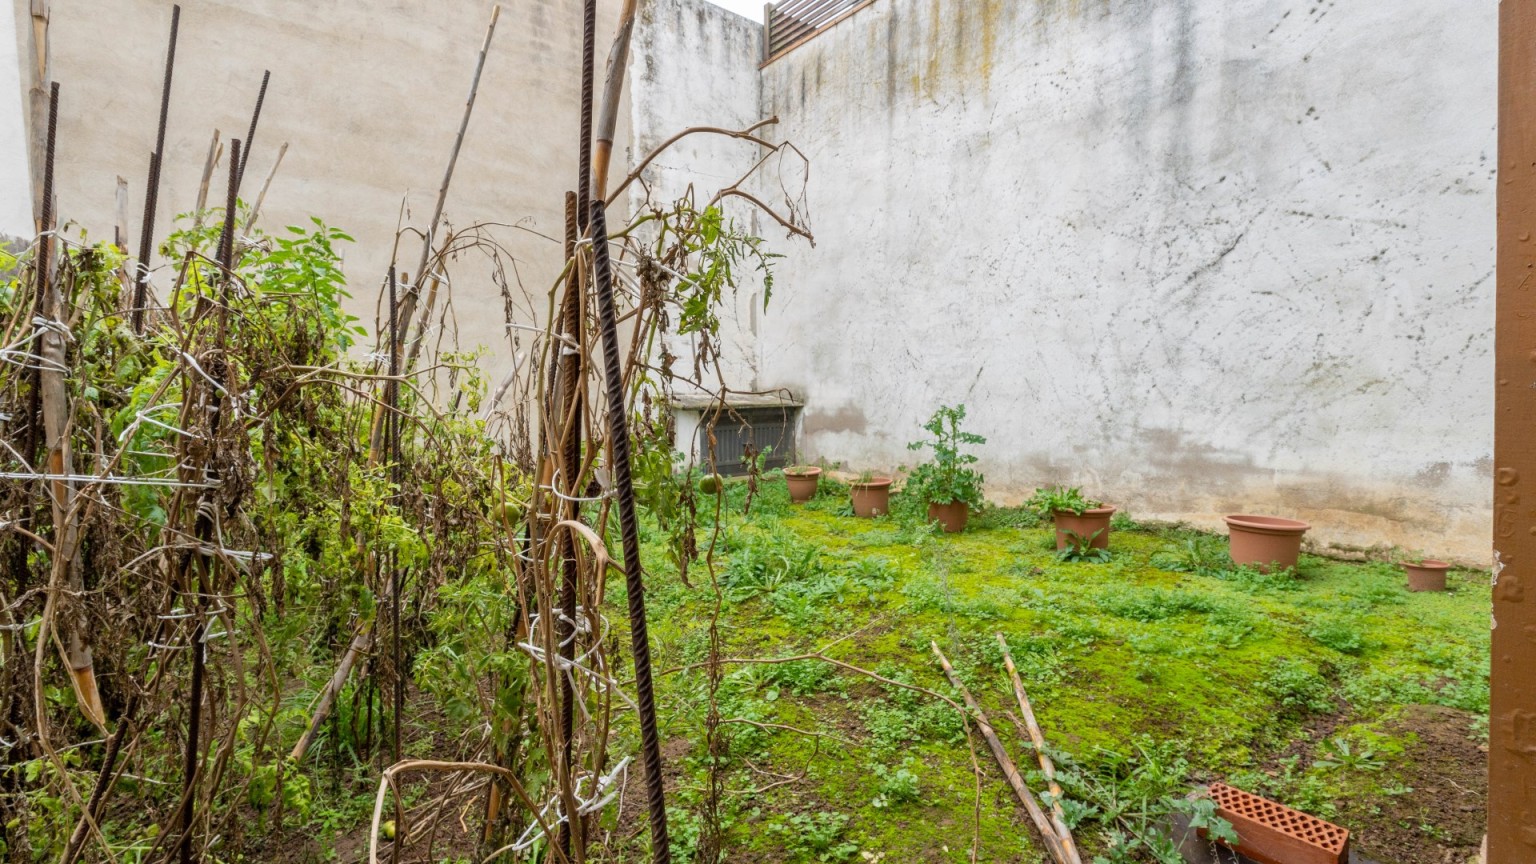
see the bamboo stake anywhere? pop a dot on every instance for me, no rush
(613, 88)
(120, 212)
(1027, 798)
(37, 97)
(54, 399)
(256, 210)
(215, 150)
(1046, 766)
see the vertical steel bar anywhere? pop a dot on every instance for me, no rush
(392, 437)
(629, 529)
(1512, 715)
(250, 134)
(564, 833)
(152, 188)
(568, 454)
(204, 530)
(584, 145)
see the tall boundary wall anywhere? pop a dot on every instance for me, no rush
(1196, 256)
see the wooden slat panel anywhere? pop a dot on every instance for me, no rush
(792, 21)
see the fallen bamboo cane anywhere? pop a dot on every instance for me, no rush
(1037, 738)
(1042, 822)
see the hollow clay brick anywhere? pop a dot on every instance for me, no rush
(1275, 834)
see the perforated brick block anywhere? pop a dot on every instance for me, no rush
(1275, 834)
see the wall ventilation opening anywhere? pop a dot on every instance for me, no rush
(791, 22)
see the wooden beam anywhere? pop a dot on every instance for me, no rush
(1512, 726)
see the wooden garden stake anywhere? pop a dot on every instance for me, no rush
(1048, 768)
(1042, 822)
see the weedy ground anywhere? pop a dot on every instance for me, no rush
(1332, 688)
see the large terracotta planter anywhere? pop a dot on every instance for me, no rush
(802, 484)
(1265, 543)
(871, 498)
(952, 516)
(1427, 575)
(1089, 523)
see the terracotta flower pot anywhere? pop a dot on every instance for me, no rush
(871, 498)
(952, 516)
(1265, 543)
(1090, 523)
(802, 484)
(1427, 575)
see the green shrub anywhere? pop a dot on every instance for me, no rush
(1297, 687)
(1339, 635)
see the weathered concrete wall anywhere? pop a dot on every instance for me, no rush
(694, 65)
(15, 198)
(1198, 256)
(369, 95)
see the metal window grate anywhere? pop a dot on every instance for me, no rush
(791, 22)
(761, 428)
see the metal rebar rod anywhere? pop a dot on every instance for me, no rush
(152, 188)
(392, 437)
(568, 408)
(629, 528)
(250, 134)
(584, 145)
(204, 530)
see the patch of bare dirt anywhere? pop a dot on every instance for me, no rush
(1441, 821)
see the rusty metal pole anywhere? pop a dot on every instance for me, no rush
(152, 187)
(1512, 716)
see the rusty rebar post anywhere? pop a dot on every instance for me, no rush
(1512, 709)
(204, 530)
(567, 828)
(629, 529)
(567, 452)
(392, 440)
(152, 187)
(250, 134)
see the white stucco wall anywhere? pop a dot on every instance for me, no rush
(1198, 256)
(369, 97)
(695, 64)
(15, 183)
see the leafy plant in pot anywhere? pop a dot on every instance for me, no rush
(871, 495)
(1424, 574)
(802, 481)
(947, 484)
(1073, 515)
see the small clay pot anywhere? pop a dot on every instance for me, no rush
(951, 516)
(802, 484)
(1266, 543)
(871, 498)
(1083, 524)
(1427, 575)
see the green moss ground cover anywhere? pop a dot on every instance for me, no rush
(1150, 673)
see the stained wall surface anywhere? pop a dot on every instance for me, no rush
(368, 93)
(1196, 256)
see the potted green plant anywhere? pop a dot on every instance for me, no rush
(871, 495)
(1074, 515)
(947, 484)
(1424, 574)
(802, 481)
